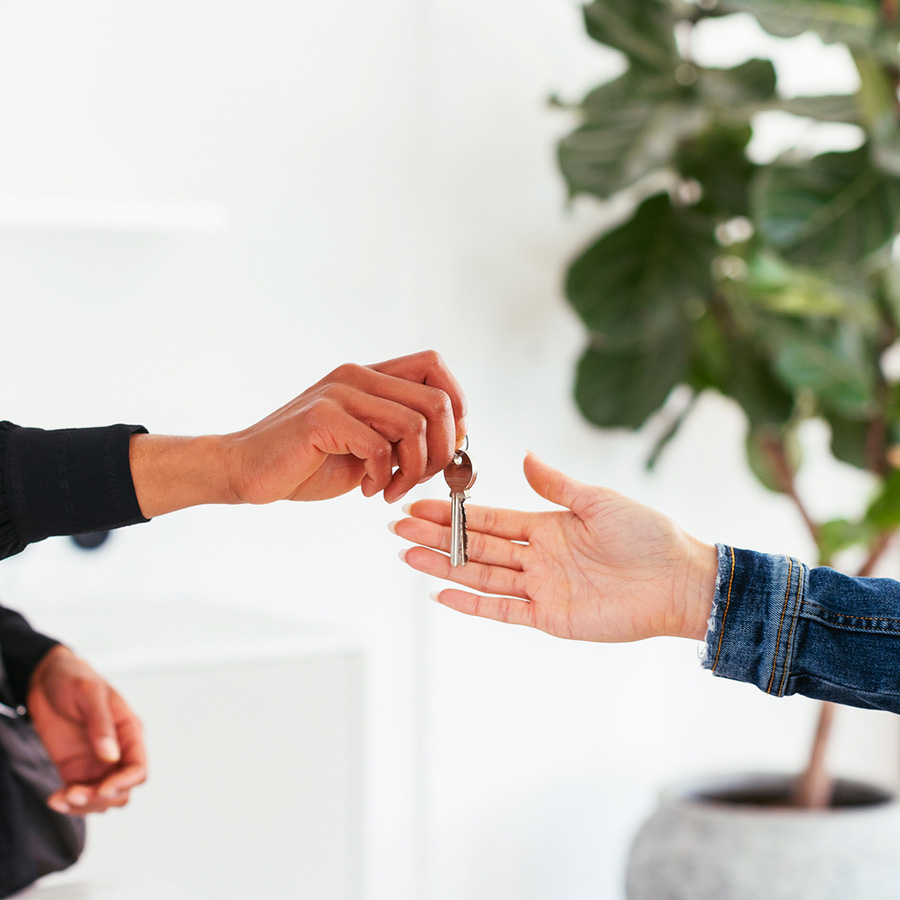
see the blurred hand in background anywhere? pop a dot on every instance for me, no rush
(90, 733)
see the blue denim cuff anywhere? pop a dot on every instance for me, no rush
(753, 625)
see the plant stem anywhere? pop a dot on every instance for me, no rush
(876, 442)
(672, 430)
(813, 789)
(881, 544)
(775, 450)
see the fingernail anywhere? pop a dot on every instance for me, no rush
(109, 792)
(59, 805)
(77, 797)
(396, 499)
(407, 508)
(434, 596)
(392, 526)
(108, 749)
(402, 554)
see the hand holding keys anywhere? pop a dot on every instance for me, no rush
(460, 475)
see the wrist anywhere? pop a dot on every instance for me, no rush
(53, 657)
(699, 589)
(172, 473)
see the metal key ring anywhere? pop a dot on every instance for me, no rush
(456, 456)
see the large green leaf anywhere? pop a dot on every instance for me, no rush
(716, 159)
(834, 368)
(886, 148)
(884, 512)
(772, 285)
(877, 100)
(755, 388)
(619, 387)
(632, 127)
(828, 108)
(877, 94)
(644, 31)
(834, 208)
(849, 439)
(633, 85)
(833, 20)
(729, 362)
(839, 534)
(751, 82)
(888, 288)
(631, 286)
(856, 23)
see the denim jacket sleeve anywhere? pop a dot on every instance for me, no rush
(789, 629)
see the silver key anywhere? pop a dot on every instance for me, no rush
(460, 476)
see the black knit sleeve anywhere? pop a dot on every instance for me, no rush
(22, 648)
(10, 542)
(69, 481)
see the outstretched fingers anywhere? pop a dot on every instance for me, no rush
(509, 524)
(491, 579)
(482, 548)
(511, 610)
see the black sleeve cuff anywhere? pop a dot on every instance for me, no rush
(69, 481)
(22, 648)
(10, 542)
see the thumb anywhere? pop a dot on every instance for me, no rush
(553, 485)
(99, 722)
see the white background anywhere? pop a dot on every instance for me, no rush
(389, 175)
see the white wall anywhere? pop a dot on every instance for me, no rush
(296, 117)
(389, 171)
(545, 754)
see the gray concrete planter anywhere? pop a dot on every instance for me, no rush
(729, 839)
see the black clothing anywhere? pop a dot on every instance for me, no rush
(22, 648)
(70, 481)
(57, 482)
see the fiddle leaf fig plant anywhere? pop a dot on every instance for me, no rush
(772, 283)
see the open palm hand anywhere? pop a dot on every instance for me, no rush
(604, 569)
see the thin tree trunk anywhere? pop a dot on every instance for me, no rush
(814, 788)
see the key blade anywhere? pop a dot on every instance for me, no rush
(455, 543)
(464, 534)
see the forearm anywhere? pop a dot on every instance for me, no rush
(172, 473)
(788, 629)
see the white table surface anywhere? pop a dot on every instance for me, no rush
(136, 635)
(142, 888)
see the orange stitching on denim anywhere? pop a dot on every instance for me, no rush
(852, 615)
(725, 614)
(787, 649)
(787, 594)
